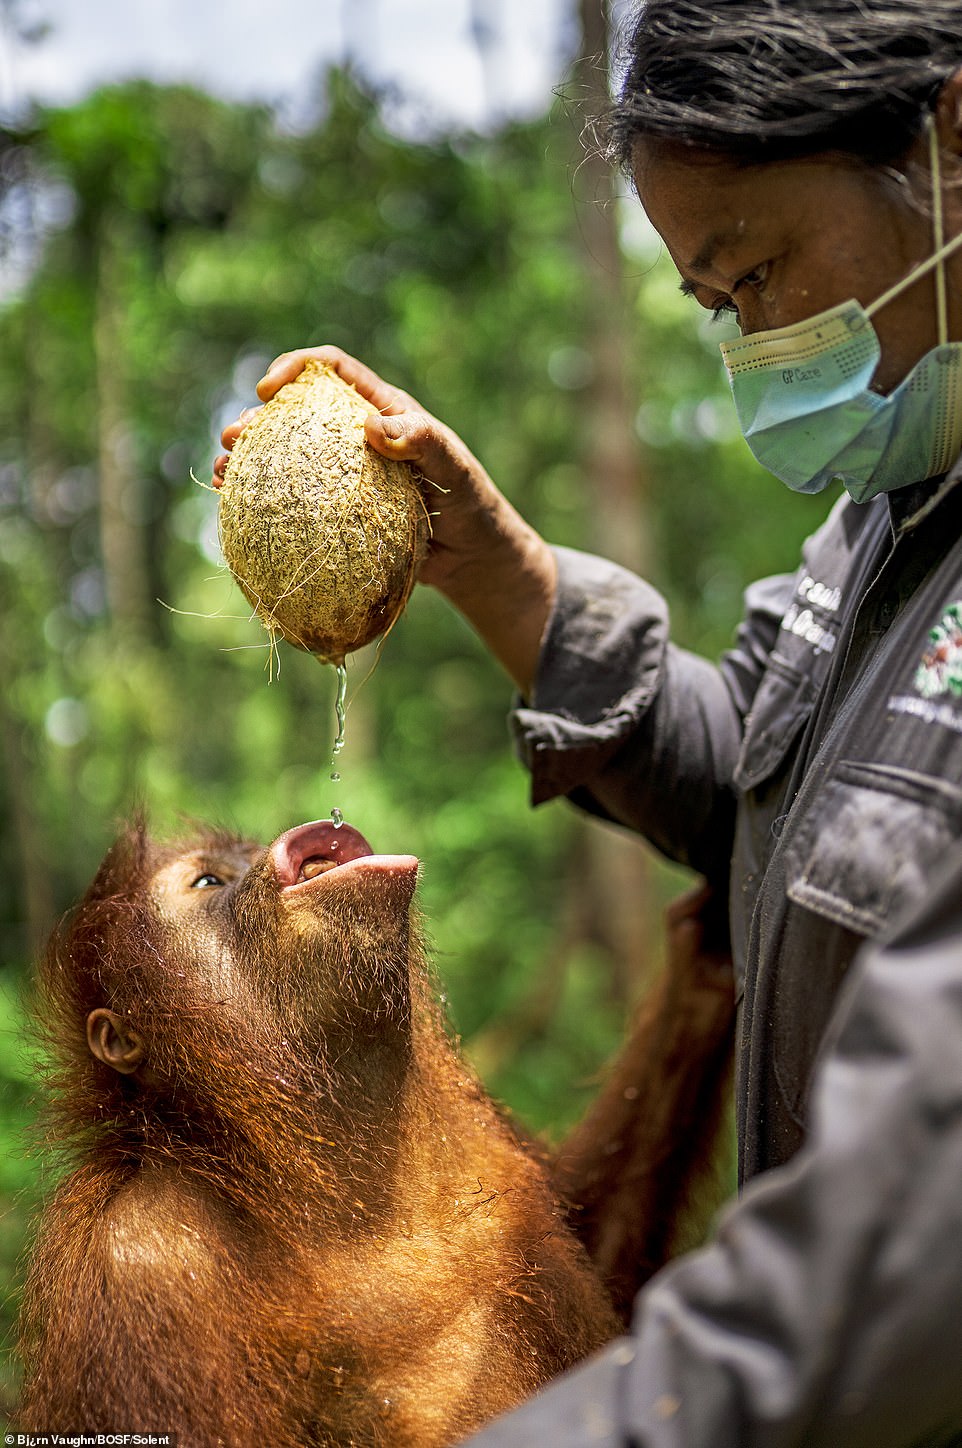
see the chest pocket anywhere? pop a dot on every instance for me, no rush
(871, 846)
(785, 699)
(807, 639)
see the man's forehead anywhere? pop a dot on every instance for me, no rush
(700, 208)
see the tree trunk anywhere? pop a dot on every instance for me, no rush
(613, 460)
(122, 536)
(617, 874)
(25, 848)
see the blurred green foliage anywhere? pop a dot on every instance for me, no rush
(178, 243)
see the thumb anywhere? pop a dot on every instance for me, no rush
(397, 436)
(417, 437)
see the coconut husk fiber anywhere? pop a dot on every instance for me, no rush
(323, 535)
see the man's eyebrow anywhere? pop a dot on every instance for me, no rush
(706, 256)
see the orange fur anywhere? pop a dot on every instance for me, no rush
(303, 1222)
(634, 1169)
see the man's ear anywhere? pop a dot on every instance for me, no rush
(113, 1042)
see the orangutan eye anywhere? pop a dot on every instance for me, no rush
(206, 881)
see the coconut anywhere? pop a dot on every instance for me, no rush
(323, 535)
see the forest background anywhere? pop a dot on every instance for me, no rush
(174, 243)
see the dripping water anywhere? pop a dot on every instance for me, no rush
(340, 712)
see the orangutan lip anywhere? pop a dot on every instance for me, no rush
(303, 854)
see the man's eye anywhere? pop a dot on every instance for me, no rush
(722, 309)
(207, 881)
(756, 278)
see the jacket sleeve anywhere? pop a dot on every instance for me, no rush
(828, 1308)
(633, 728)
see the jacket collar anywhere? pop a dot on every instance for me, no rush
(908, 506)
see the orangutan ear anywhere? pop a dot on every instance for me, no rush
(113, 1042)
(948, 113)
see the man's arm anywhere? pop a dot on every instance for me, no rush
(631, 727)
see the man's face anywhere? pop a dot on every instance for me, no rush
(775, 244)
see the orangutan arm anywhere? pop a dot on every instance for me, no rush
(628, 1172)
(151, 1330)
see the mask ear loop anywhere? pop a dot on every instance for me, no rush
(938, 231)
(937, 259)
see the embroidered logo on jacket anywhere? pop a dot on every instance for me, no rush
(940, 671)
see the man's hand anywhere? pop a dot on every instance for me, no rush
(483, 556)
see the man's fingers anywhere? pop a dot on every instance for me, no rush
(417, 437)
(289, 365)
(399, 429)
(228, 438)
(234, 429)
(382, 395)
(398, 435)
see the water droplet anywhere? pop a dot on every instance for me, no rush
(340, 711)
(339, 708)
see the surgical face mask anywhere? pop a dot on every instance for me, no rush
(806, 408)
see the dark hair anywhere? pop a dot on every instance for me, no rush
(766, 80)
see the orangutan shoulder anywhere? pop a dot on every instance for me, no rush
(161, 1229)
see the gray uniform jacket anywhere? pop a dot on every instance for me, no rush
(819, 767)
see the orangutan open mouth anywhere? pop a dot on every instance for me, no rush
(305, 854)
